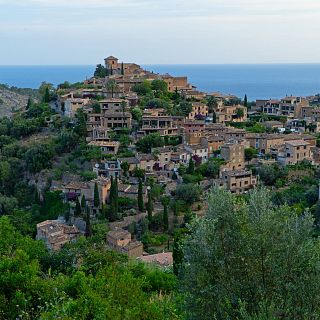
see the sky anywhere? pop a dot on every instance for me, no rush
(84, 32)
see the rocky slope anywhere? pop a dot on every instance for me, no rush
(13, 99)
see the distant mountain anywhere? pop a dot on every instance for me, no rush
(13, 99)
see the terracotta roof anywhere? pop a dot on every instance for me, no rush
(111, 57)
(119, 234)
(162, 259)
(297, 143)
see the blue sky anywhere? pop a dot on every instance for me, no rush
(159, 31)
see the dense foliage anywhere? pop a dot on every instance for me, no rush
(251, 260)
(82, 281)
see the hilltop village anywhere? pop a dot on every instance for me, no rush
(133, 194)
(157, 144)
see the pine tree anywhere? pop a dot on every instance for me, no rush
(88, 232)
(96, 197)
(140, 196)
(78, 208)
(83, 202)
(149, 207)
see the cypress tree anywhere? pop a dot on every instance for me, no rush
(67, 215)
(36, 196)
(112, 201)
(190, 169)
(83, 202)
(122, 69)
(29, 104)
(149, 207)
(116, 196)
(88, 232)
(174, 176)
(96, 197)
(165, 217)
(140, 196)
(111, 192)
(245, 102)
(46, 97)
(78, 208)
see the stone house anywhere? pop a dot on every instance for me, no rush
(237, 181)
(121, 241)
(198, 152)
(106, 147)
(72, 105)
(233, 155)
(199, 109)
(294, 151)
(163, 125)
(56, 234)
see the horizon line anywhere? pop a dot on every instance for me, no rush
(164, 64)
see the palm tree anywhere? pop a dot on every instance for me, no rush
(112, 86)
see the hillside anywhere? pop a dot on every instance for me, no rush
(12, 99)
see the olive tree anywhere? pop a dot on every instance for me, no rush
(251, 260)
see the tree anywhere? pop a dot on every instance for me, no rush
(152, 140)
(184, 108)
(113, 200)
(100, 72)
(214, 117)
(83, 201)
(123, 106)
(190, 169)
(240, 113)
(39, 157)
(165, 216)
(116, 196)
(140, 196)
(46, 97)
(142, 88)
(149, 207)
(125, 167)
(177, 250)
(112, 86)
(159, 85)
(96, 196)
(189, 193)
(45, 87)
(88, 232)
(259, 261)
(29, 103)
(122, 69)
(245, 101)
(78, 210)
(212, 103)
(250, 153)
(96, 108)
(137, 114)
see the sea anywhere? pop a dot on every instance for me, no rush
(257, 81)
